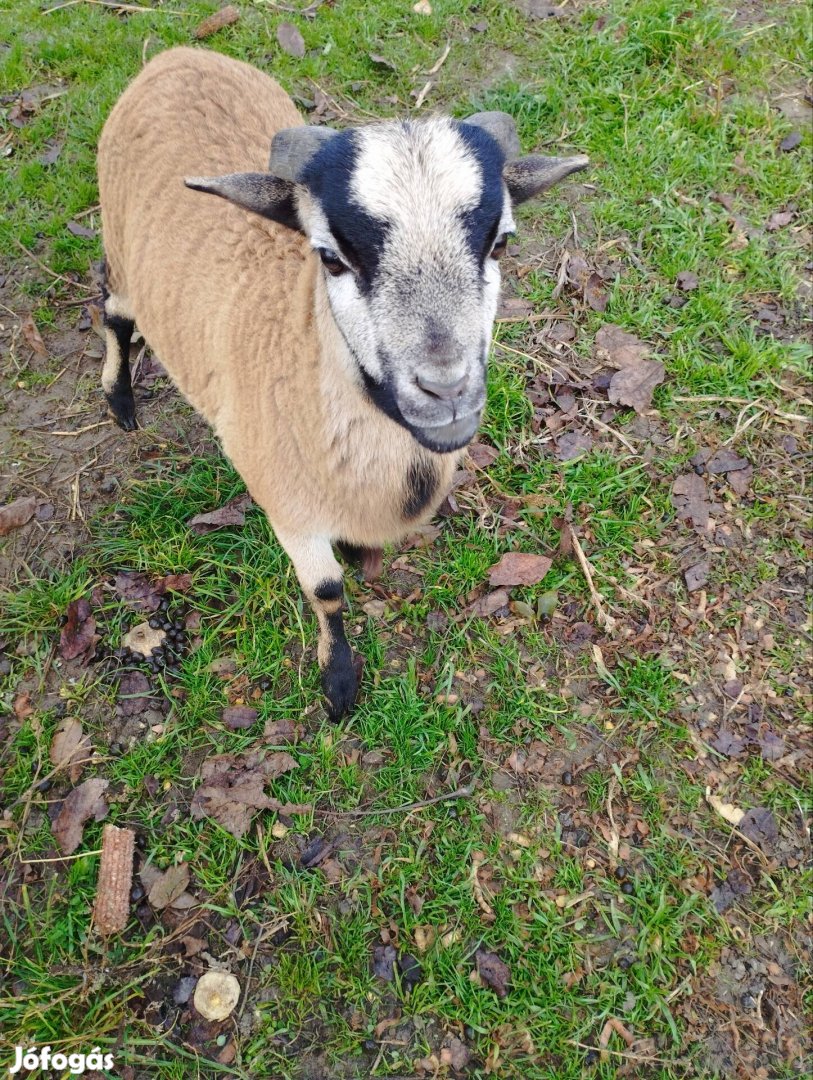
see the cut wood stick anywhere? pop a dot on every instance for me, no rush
(112, 904)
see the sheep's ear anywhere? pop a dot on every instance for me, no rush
(530, 176)
(258, 192)
(501, 127)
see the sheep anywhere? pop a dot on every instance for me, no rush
(329, 313)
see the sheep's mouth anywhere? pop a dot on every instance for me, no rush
(446, 438)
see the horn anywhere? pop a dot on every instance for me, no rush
(292, 149)
(500, 126)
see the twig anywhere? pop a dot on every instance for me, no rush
(620, 1053)
(48, 270)
(62, 858)
(458, 793)
(113, 5)
(81, 430)
(606, 621)
(435, 68)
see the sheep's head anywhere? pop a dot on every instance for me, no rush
(409, 220)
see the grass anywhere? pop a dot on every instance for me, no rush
(673, 106)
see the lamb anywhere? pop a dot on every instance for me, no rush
(329, 314)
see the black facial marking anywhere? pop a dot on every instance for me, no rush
(421, 485)
(120, 396)
(360, 236)
(482, 222)
(329, 590)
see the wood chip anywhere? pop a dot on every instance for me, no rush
(112, 904)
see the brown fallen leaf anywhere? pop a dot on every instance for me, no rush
(16, 514)
(78, 638)
(134, 694)
(83, 803)
(791, 141)
(138, 590)
(376, 58)
(573, 444)
(112, 904)
(696, 576)
(690, 498)
(239, 716)
(519, 568)
(168, 886)
(493, 972)
(687, 281)
(482, 455)
(634, 385)
(456, 1054)
(32, 336)
(75, 229)
(620, 348)
(22, 705)
(759, 825)
(290, 40)
(232, 513)
(226, 16)
(595, 293)
(280, 732)
(51, 155)
(232, 788)
(70, 747)
(477, 860)
(487, 604)
(779, 220)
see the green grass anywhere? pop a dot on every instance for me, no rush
(672, 105)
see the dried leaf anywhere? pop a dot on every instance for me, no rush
(226, 16)
(382, 60)
(696, 576)
(619, 348)
(134, 694)
(687, 281)
(791, 141)
(233, 513)
(736, 885)
(732, 814)
(232, 788)
(51, 155)
(78, 637)
(779, 220)
(482, 455)
(519, 568)
(16, 514)
(759, 825)
(595, 293)
(239, 716)
(634, 385)
(280, 732)
(83, 803)
(493, 972)
(168, 886)
(384, 957)
(75, 229)
(32, 337)
(487, 604)
(690, 497)
(573, 444)
(725, 460)
(291, 40)
(70, 748)
(138, 590)
(456, 1055)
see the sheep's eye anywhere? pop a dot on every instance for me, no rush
(333, 264)
(500, 244)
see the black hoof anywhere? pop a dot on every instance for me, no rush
(122, 406)
(340, 683)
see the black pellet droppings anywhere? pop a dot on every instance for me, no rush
(370, 1044)
(748, 1001)
(620, 872)
(627, 888)
(166, 625)
(136, 657)
(60, 709)
(164, 605)
(591, 1057)
(154, 623)
(264, 683)
(624, 963)
(44, 785)
(136, 893)
(567, 778)
(470, 1033)
(158, 650)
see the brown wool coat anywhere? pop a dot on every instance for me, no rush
(234, 305)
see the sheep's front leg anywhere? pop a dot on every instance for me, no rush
(320, 576)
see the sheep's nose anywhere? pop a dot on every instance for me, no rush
(444, 391)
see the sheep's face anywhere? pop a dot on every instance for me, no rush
(409, 220)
